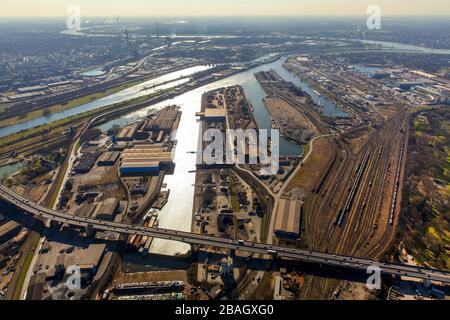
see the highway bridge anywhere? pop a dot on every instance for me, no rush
(361, 264)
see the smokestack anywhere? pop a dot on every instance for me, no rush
(157, 29)
(126, 34)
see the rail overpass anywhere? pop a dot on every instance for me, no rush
(20, 202)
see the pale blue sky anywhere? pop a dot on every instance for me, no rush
(43, 8)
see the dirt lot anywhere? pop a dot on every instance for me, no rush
(280, 109)
(292, 122)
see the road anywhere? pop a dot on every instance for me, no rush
(198, 239)
(285, 185)
(70, 161)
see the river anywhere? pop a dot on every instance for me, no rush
(406, 47)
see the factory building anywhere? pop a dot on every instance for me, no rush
(86, 210)
(140, 168)
(108, 159)
(145, 160)
(406, 85)
(213, 115)
(164, 121)
(25, 96)
(287, 223)
(31, 89)
(139, 188)
(126, 134)
(120, 146)
(86, 162)
(90, 261)
(108, 209)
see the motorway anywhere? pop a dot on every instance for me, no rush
(198, 239)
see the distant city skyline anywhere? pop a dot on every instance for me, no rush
(141, 8)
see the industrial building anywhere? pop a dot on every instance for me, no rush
(92, 257)
(126, 134)
(145, 160)
(143, 148)
(164, 121)
(108, 159)
(406, 85)
(86, 210)
(139, 188)
(25, 96)
(86, 162)
(9, 230)
(213, 115)
(139, 168)
(31, 89)
(120, 146)
(87, 259)
(108, 209)
(287, 224)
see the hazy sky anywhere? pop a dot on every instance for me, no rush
(89, 8)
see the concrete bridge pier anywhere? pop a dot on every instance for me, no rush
(90, 231)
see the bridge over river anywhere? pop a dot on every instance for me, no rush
(354, 263)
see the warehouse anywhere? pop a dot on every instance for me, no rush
(9, 230)
(120, 146)
(148, 148)
(287, 224)
(145, 159)
(213, 115)
(31, 89)
(90, 261)
(139, 188)
(86, 210)
(164, 120)
(162, 157)
(108, 159)
(139, 168)
(86, 163)
(108, 209)
(126, 134)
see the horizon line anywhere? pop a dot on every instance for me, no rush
(446, 15)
